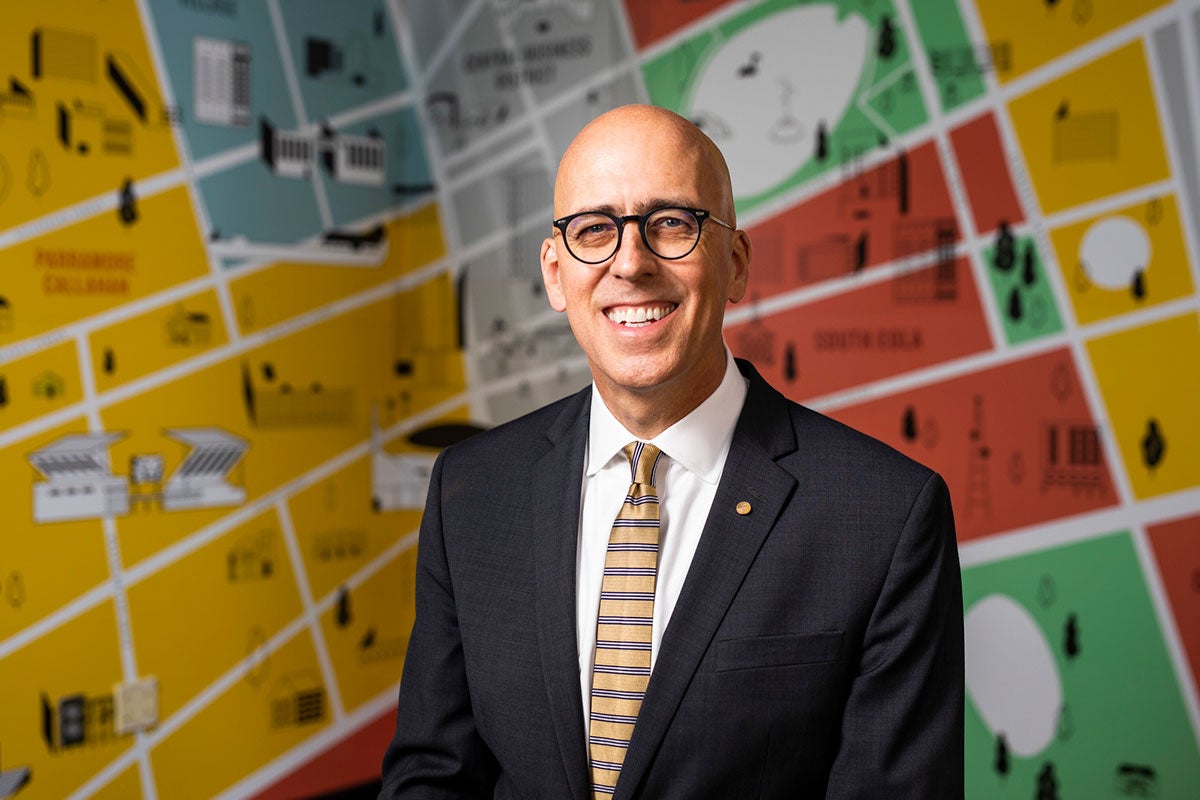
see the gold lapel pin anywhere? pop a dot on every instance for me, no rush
(743, 508)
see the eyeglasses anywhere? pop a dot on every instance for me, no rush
(593, 237)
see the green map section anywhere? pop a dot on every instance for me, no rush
(1022, 293)
(956, 63)
(1123, 731)
(887, 97)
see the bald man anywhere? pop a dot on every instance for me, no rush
(675, 583)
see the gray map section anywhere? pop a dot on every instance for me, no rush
(430, 22)
(565, 121)
(500, 200)
(562, 47)
(1168, 46)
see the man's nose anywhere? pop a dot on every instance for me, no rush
(633, 258)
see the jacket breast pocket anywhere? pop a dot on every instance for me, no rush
(790, 649)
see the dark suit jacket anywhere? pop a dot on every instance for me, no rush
(816, 649)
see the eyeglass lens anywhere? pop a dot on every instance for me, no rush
(668, 232)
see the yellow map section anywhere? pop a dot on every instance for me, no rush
(86, 112)
(42, 567)
(337, 530)
(69, 671)
(1165, 276)
(290, 404)
(1149, 382)
(100, 263)
(234, 590)
(367, 631)
(1037, 32)
(279, 703)
(38, 384)
(271, 295)
(139, 346)
(126, 785)
(1093, 132)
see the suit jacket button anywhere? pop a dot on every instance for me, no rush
(743, 508)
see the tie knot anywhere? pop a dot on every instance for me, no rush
(643, 457)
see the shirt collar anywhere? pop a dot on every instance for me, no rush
(698, 442)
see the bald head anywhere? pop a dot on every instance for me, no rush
(645, 137)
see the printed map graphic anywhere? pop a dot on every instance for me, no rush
(260, 260)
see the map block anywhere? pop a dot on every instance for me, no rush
(244, 589)
(1176, 547)
(38, 384)
(1011, 459)
(367, 630)
(1048, 645)
(1093, 132)
(1023, 296)
(1151, 400)
(891, 327)
(98, 263)
(1131, 258)
(986, 177)
(36, 574)
(142, 345)
(279, 701)
(57, 701)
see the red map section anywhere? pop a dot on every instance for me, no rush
(865, 334)
(984, 170)
(651, 20)
(1016, 443)
(897, 209)
(354, 761)
(1176, 547)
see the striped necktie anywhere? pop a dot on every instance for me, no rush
(624, 624)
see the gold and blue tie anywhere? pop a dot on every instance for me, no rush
(624, 624)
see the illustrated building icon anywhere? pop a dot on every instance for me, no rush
(79, 483)
(221, 82)
(201, 480)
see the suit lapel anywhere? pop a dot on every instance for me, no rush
(555, 525)
(728, 545)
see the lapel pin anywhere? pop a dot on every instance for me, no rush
(743, 508)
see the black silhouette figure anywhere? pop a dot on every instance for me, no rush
(1005, 254)
(110, 361)
(908, 425)
(343, 616)
(789, 362)
(887, 37)
(1047, 783)
(1138, 286)
(1001, 764)
(1016, 309)
(127, 208)
(3, 391)
(860, 252)
(368, 640)
(1029, 266)
(750, 68)
(1154, 446)
(822, 145)
(1071, 637)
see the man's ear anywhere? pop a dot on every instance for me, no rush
(551, 275)
(740, 259)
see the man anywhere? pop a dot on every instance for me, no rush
(771, 610)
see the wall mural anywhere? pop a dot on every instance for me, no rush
(261, 259)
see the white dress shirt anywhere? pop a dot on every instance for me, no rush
(694, 451)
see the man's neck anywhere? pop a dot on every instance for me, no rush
(648, 412)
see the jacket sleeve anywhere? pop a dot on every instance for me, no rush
(902, 732)
(436, 751)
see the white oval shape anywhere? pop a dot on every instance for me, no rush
(1012, 677)
(1113, 250)
(761, 96)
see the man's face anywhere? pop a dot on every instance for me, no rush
(678, 349)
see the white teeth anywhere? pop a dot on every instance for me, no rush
(640, 315)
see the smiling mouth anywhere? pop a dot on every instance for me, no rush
(639, 316)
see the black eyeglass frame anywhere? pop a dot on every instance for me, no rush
(700, 214)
